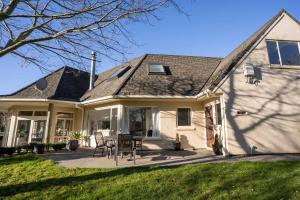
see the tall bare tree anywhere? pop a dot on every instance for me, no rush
(38, 30)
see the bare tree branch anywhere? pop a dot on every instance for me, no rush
(37, 30)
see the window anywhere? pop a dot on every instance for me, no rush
(25, 113)
(218, 114)
(23, 130)
(283, 52)
(39, 127)
(143, 121)
(104, 119)
(40, 113)
(156, 69)
(64, 125)
(183, 117)
(273, 52)
(119, 72)
(32, 113)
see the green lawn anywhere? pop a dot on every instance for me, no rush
(27, 176)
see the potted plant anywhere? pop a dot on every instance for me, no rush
(177, 143)
(73, 142)
(39, 148)
(217, 146)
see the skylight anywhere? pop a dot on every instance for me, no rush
(157, 69)
(119, 72)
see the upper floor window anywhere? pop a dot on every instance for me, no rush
(283, 52)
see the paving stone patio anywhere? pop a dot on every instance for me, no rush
(83, 158)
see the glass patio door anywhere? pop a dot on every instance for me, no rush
(38, 131)
(23, 131)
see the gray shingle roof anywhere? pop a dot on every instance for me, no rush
(107, 87)
(186, 76)
(66, 83)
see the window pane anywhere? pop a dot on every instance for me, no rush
(23, 132)
(149, 125)
(38, 130)
(114, 121)
(2, 122)
(68, 126)
(59, 127)
(273, 52)
(184, 116)
(137, 122)
(25, 113)
(219, 115)
(64, 115)
(40, 113)
(104, 119)
(289, 53)
(156, 68)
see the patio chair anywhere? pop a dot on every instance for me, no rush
(110, 144)
(125, 145)
(100, 143)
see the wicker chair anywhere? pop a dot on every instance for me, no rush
(100, 143)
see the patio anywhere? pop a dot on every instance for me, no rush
(83, 158)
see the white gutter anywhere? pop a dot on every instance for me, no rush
(115, 97)
(36, 100)
(153, 97)
(96, 100)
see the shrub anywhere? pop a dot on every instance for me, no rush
(217, 146)
(7, 150)
(59, 146)
(48, 146)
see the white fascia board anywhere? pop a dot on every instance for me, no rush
(36, 100)
(153, 97)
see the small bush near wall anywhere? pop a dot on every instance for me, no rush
(7, 151)
(59, 146)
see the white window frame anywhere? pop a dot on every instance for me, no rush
(32, 119)
(191, 116)
(157, 73)
(159, 120)
(64, 123)
(279, 54)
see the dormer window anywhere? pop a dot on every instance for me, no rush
(283, 53)
(157, 69)
(119, 72)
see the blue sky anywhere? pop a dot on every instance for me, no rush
(214, 28)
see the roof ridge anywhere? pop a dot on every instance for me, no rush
(214, 57)
(130, 75)
(121, 64)
(59, 82)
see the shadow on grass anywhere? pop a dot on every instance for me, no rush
(11, 190)
(271, 180)
(10, 160)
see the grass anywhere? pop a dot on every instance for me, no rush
(31, 177)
